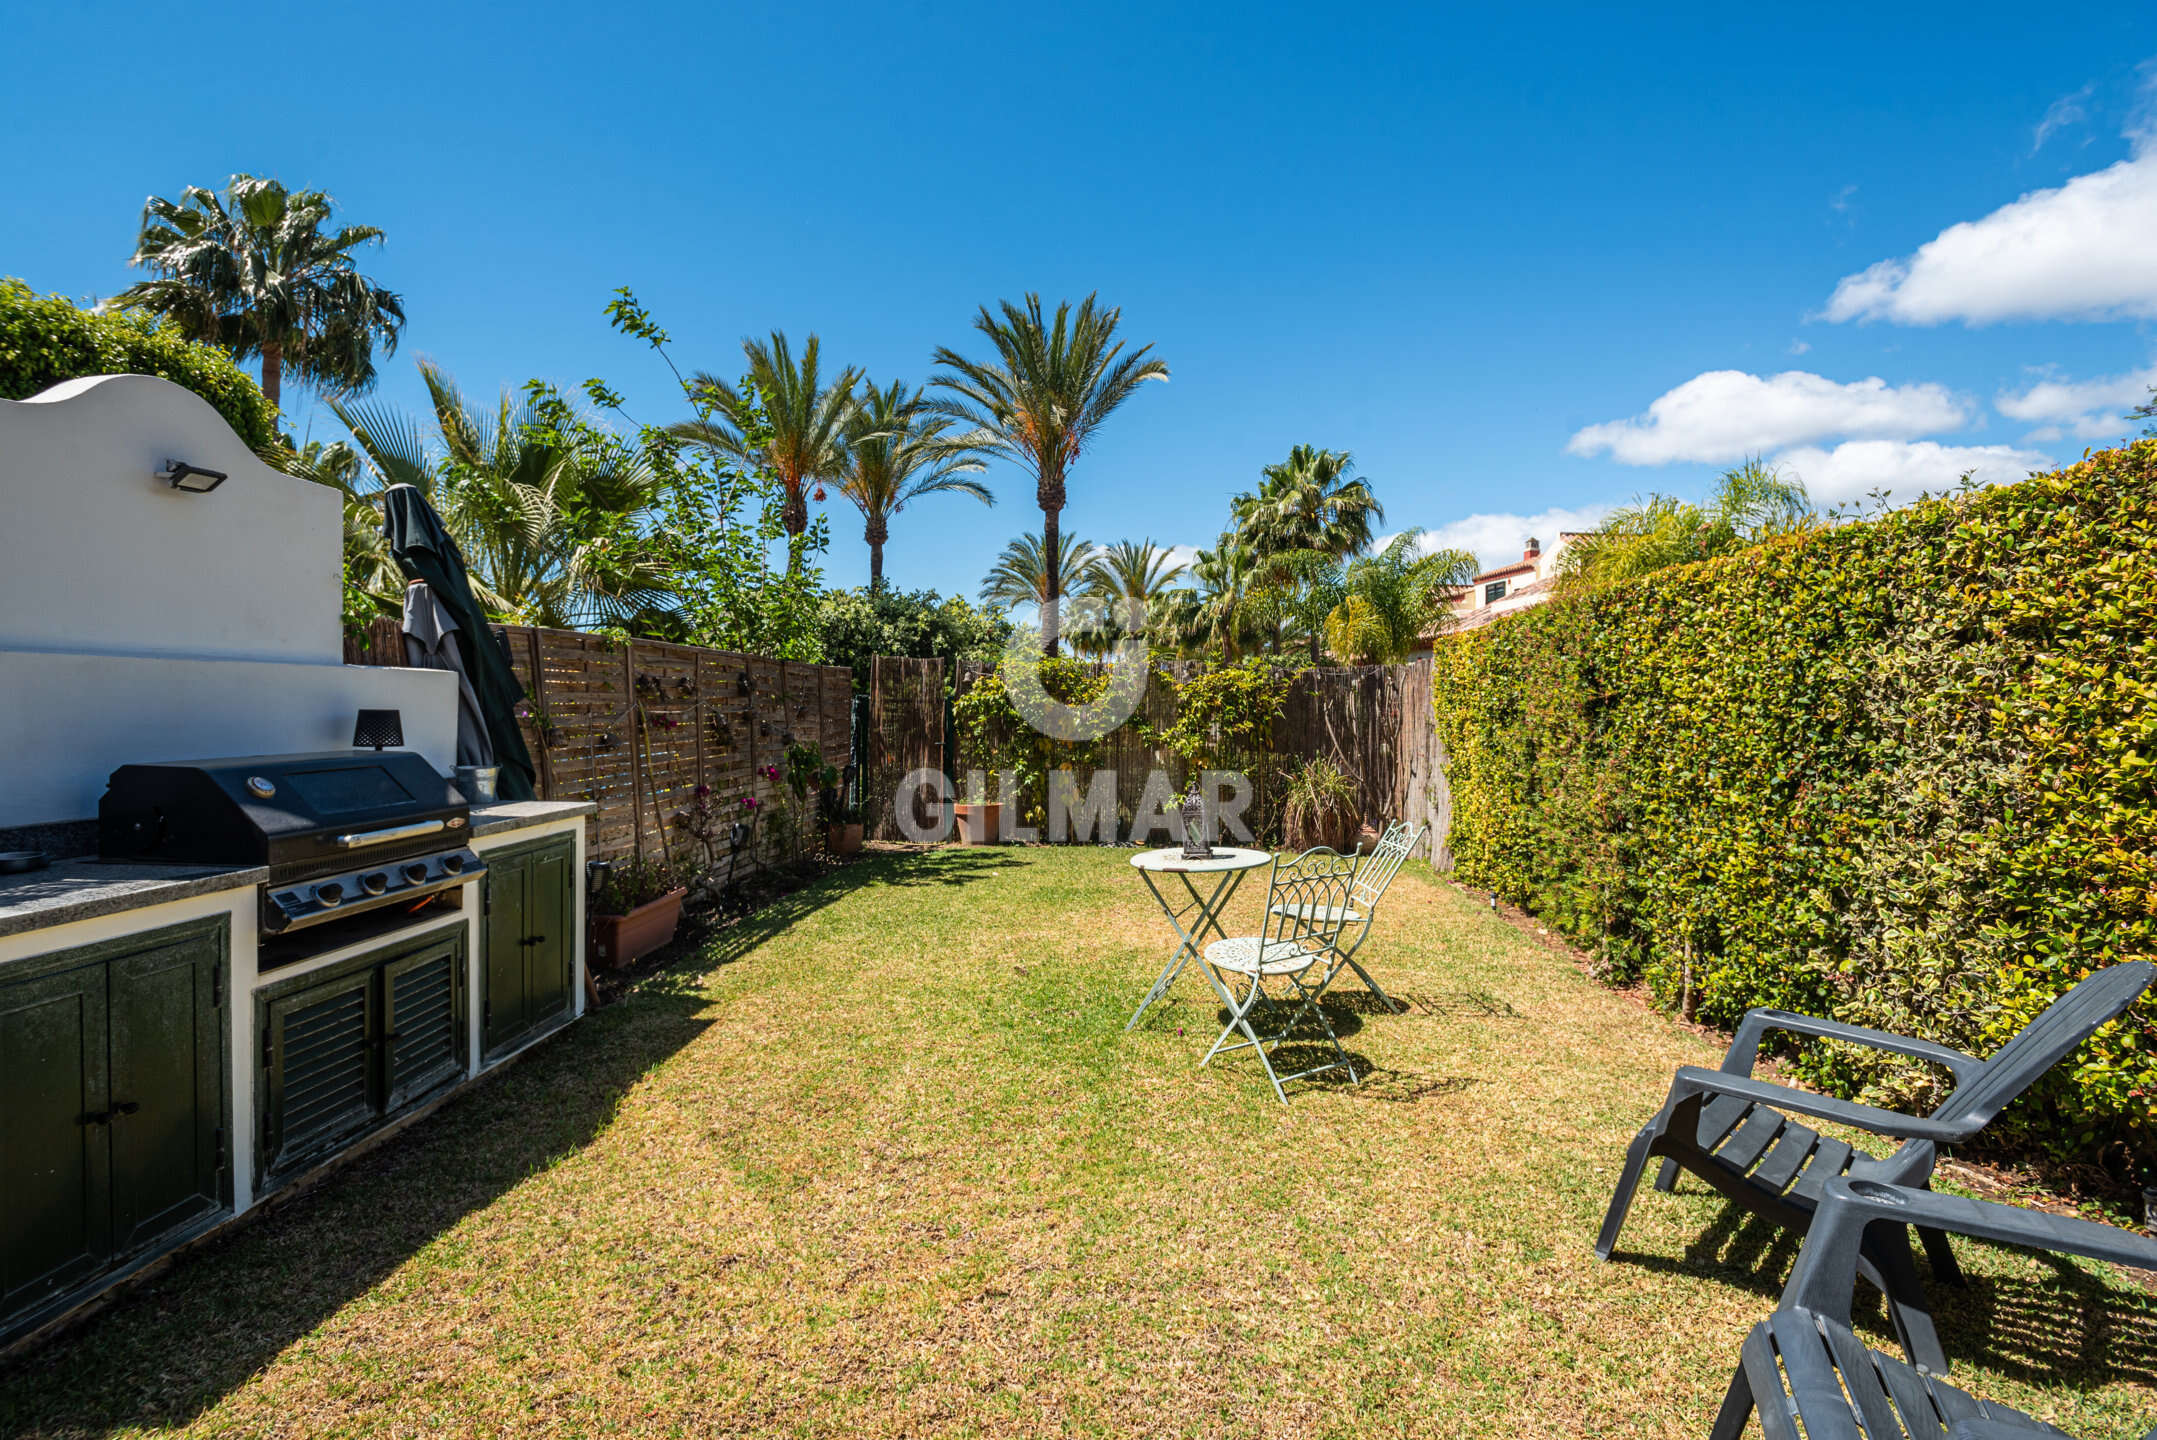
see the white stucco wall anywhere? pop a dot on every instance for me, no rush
(138, 623)
(98, 556)
(68, 721)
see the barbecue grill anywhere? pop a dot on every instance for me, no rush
(342, 832)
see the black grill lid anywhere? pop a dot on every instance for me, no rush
(278, 810)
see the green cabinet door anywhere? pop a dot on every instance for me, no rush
(55, 1159)
(528, 927)
(167, 1090)
(550, 947)
(503, 1006)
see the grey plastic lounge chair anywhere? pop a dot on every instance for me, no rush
(1304, 905)
(1806, 1373)
(1374, 873)
(1731, 1131)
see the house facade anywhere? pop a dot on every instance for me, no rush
(1521, 585)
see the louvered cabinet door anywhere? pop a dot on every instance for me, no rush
(319, 1070)
(55, 1162)
(423, 1020)
(168, 1093)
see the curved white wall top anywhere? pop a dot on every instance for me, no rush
(99, 557)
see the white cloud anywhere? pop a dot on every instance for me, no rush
(1184, 555)
(2061, 113)
(1799, 347)
(1724, 415)
(1854, 470)
(1499, 539)
(2085, 409)
(2078, 252)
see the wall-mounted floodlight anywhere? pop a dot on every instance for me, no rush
(192, 478)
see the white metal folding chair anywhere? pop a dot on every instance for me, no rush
(1304, 905)
(1374, 874)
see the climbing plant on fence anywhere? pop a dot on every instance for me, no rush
(1903, 773)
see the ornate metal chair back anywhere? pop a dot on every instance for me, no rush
(1307, 901)
(1382, 864)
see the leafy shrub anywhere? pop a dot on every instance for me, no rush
(857, 625)
(1318, 806)
(45, 339)
(994, 736)
(1903, 773)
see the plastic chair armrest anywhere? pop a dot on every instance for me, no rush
(1826, 1272)
(1745, 1045)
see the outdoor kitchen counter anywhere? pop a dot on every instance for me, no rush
(521, 814)
(70, 890)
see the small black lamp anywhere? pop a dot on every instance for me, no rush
(379, 728)
(744, 685)
(191, 478)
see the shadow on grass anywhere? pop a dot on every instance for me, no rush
(945, 865)
(168, 1350)
(2066, 1329)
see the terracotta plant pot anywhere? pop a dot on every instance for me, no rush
(842, 839)
(618, 940)
(980, 824)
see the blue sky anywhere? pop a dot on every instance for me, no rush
(1474, 248)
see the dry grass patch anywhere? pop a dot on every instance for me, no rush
(882, 1162)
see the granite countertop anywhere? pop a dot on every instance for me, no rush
(70, 890)
(518, 814)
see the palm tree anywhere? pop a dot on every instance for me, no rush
(1752, 502)
(896, 453)
(253, 270)
(1136, 570)
(549, 537)
(373, 581)
(1133, 578)
(1049, 389)
(792, 426)
(1023, 574)
(1218, 616)
(1311, 501)
(1392, 598)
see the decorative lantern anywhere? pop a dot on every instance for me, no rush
(1194, 826)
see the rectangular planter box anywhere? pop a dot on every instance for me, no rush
(620, 939)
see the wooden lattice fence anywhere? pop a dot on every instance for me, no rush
(637, 726)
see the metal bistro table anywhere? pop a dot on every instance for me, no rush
(1227, 867)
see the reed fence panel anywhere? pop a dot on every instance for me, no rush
(1373, 721)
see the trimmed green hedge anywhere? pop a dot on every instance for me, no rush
(1902, 773)
(45, 339)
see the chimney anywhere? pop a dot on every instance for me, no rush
(1535, 548)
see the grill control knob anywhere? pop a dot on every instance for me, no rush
(260, 788)
(416, 873)
(329, 892)
(454, 864)
(374, 882)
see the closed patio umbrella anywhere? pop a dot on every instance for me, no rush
(425, 551)
(430, 643)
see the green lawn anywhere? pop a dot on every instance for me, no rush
(882, 1162)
